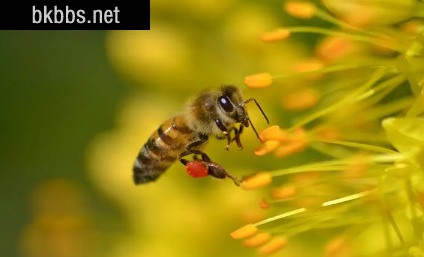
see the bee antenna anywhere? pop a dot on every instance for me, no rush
(257, 104)
(253, 127)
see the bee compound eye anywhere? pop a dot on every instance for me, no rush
(225, 103)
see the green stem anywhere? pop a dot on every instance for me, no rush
(336, 165)
(356, 96)
(281, 216)
(385, 211)
(417, 108)
(354, 135)
(361, 38)
(415, 220)
(359, 146)
(340, 67)
(329, 150)
(396, 228)
(307, 169)
(392, 82)
(327, 17)
(385, 110)
(325, 204)
(353, 97)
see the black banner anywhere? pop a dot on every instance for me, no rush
(111, 14)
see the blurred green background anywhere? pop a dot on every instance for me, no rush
(58, 90)
(77, 106)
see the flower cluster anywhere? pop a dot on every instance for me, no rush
(365, 97)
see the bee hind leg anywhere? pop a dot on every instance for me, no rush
(217, 171)
(191, 149)
(184, 161)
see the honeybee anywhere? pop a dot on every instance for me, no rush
(214, 112)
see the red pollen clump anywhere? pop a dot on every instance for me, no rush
(196, 169)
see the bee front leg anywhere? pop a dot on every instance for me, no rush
(227, 147)
(225, 131)
(237, 133)
(221, 126)
(236, 138)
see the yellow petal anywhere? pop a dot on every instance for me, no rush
(283, 192)
(244, 232)
(258, 180)
(258, 80)
(273, 133)
(302, 99)
(300, 9)
(290, 149)
(266, 147)
(275, 35)
(257, 240)
(273, 245)
(309, 65)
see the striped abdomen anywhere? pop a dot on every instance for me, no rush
(161, 150)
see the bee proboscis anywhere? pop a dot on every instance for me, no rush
(214, 112)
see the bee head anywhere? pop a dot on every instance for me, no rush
(233, 105)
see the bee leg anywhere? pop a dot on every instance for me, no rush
(235, 180)
(227, 132)
(217, 171)
(229, 139)
(237, 133)
(191, 149)
(184, 161)
(236, 138)
(227, 147)
(221, 126)
(204, 156)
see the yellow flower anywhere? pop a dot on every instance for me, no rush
(275, 35)
(257, 240)
(308, 65)
(283, 192)
(266, 147)
(258, 80)
(301, 99)
(258, 180)
(300, 9)
(244, 232)
(273, 133)
(273, 245)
